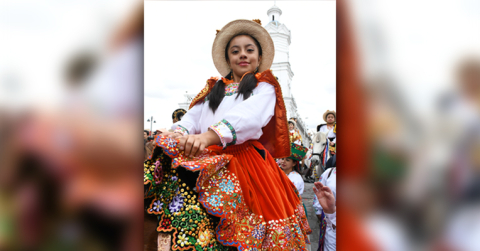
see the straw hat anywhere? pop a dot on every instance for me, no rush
(329, 112)
(242, 26)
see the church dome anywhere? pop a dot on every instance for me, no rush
(274, 13)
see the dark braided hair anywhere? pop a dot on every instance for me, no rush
(245, 88)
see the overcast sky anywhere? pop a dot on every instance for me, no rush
(178, 42)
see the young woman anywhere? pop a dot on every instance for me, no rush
(290, 167)
(234, 128)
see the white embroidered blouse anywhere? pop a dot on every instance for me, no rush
(235, 120)
(297, 180)
(329, 132)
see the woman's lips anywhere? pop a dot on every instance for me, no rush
(243, 64)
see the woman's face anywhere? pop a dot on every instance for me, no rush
(330, 118)
(243, 55)
(290, 126)
(287, 164)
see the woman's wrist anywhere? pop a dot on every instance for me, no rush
(212, 138)
(332, 211)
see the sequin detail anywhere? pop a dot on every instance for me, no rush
(176, 204)
(168, 144)
(220, 194)
(204, 92)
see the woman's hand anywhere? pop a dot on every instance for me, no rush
(195, 144)
(173, 135)
(325, 197)
(332, 143)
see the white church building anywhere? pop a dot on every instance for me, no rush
(281, 69)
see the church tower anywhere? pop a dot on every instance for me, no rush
(281, 65)
(281, 38)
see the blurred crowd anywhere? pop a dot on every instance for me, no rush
(409, 176)
(69, 158)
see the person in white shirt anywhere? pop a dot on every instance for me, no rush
(324, 204)
(330, 117)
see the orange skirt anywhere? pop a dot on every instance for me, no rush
(258, 206)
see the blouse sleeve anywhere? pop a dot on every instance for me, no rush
(331, 218)
(246, 120)
(189, 122)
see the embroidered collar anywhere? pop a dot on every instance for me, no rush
(230, 81)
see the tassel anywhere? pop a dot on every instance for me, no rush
(257, 21)
(217, 32)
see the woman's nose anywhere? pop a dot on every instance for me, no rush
(243, 54)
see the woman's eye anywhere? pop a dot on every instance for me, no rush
(234, 52)
(250, 50)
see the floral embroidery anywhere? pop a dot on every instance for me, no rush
(202, 161)
(158, 173)
(182, 240)
(231, 89)
(226, 186)
(157, 205)
(216, 128)
(177, 203)
(203, 238)
(259, 231)
(288, 233)
(177, 206)
(220, 194)
(168, 144)
(240, 226)
(182, 130)
(214, 200)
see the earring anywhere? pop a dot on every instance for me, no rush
(256, 70)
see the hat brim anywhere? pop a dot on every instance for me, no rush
(242, 26)
(177, 111)
(329, 112)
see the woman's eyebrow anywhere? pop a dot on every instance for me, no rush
(239, 46)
